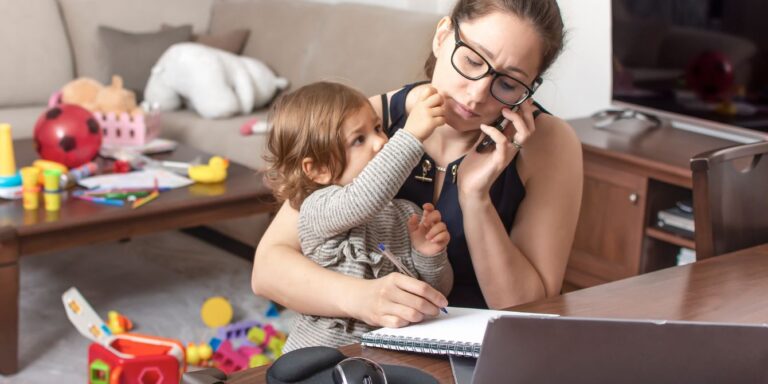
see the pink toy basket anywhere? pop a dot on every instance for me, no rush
(123, 130)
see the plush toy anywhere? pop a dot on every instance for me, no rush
(95, 97)
(214, 82)
(81, 91)
(116, 99)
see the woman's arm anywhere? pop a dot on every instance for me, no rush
(529, 263)
(281, 273)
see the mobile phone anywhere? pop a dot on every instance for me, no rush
(500, 123)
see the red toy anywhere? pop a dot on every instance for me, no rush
(710, 75)
(67, 134)
(127, 358)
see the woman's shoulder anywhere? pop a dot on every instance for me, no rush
(553, 144)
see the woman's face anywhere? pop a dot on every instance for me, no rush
(511, 45)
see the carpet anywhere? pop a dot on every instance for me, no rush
(158, 281)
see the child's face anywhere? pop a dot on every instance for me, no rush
(363, 139)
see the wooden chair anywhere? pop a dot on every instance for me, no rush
(730, 199)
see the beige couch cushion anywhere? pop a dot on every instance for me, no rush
(21, 119)
(217, 137)
(375, 49)
(83, 17)
(34, 53)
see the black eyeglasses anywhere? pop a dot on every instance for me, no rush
(473, 66)
(358, 370)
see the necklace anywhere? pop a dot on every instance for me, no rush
(439, 168)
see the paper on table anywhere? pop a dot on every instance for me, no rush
(140, 179)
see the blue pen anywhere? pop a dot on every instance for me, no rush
(400, 267)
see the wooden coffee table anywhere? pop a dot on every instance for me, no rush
(24, 233)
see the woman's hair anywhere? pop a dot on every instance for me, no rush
(543, 14)
(306, 123)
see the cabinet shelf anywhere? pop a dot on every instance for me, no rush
(669, 237)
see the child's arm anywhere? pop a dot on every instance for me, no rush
(334, 209)
(429, 239)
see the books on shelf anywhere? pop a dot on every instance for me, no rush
(686, 256)
(458, 333)
(676, 220)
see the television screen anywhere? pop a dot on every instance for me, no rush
(701, 59)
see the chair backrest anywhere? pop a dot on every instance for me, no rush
(730, 199)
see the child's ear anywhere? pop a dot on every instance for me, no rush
(320, 175)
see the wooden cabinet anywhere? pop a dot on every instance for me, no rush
(630, 174)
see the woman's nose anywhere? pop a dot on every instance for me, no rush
(479, 90)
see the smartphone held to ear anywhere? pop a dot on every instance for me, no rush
(500, 124)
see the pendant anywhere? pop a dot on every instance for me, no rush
(426, 166)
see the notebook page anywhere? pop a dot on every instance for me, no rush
(459, 325)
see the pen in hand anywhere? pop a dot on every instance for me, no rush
(400, 267)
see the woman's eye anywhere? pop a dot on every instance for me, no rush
(507, 86)
(377, 128)
(358, 140)
(473, 62)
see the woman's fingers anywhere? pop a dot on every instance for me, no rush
(431, 299)
(391, 321)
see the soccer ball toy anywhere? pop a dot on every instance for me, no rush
(67, 134)
(710, 75)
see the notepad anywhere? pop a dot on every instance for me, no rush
(459, 333)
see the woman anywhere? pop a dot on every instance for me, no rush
(511, 209)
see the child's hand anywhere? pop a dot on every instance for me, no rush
(429, 235)
(426, 115)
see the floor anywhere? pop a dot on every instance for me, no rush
(158, 281)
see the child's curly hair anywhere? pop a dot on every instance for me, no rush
(306, 123)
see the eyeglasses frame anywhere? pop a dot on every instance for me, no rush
(496, 74)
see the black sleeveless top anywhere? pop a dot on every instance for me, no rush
(506, 194)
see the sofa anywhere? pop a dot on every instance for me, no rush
(374, 49)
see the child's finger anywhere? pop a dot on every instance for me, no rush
(435, 230)
(413, 223)
(441, 238)
(433, 217)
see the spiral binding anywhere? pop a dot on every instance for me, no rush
(422, 345)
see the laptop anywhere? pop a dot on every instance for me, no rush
(590, 350)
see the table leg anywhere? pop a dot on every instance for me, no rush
(9, 303)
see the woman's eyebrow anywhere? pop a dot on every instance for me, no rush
(491, 56)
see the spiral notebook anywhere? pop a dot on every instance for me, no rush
(458, 333)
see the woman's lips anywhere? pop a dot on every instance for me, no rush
(463, 112)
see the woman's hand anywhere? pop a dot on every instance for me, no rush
(395, 300)
(429, 234)
(479, 170)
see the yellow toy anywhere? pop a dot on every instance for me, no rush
(42, 165)
(51, 188)
(117, 323)
(214, 172)
(30, 188)
(216, 312)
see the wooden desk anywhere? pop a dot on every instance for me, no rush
(81, 223)
(728, 288)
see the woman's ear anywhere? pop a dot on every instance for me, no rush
(443, 31)
(321, 175)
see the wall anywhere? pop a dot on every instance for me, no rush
(579, 83)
